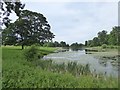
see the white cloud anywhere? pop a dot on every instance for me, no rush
(77, 21)
(102, 16)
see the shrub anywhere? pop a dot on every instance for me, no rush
(32, 53)
(104, 46)
(48, 44)
(36, 44)
(45, 45)
(111, 46)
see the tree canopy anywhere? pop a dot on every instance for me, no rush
(7, 8)
(114, 36)
(29, 28)
(104, 38)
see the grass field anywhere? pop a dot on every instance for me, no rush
(108, 51)
(20, 73)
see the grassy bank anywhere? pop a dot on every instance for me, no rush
(18, 72)
(108, 51)
(103, 48)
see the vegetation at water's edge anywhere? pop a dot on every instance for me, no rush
(18, 72)
(103, 38)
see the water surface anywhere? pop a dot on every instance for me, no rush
(101, 66)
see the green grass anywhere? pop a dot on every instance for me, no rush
(107, 52)
(100, 48)
(18, 72)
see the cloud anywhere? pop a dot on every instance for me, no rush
(77, 21)
(91, 18)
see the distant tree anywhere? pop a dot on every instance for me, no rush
(114, 36)
(80, 45)
(86, 43)
(90, 43)
(49, 44)
(56, 44)
(30, 28)
(95, 41)
(63, 44)
(67, 45)
(103, 37)
(74, 45)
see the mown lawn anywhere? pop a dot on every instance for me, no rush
(18, 72)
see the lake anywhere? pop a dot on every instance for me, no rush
(98, 65)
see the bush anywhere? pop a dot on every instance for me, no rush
(32, 53)
(111, 46)
(48, 44)
(104, 46)
(36, 44)
(45, 45)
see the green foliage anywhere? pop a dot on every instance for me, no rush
(71, 67)
(114, 36)
(8, 37)
(32, 53)
(104, 38)
(104, 46)
(48, 44)
(96, 41)
(76, 46)
(37, 44)
(63, 44)
(86, 43)
(90, 43)
(56, 44)
(30, 30)
(111, 46)
(8, 7)
(19, 73)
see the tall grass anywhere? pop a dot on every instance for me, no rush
(70, 67)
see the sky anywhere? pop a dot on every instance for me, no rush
(76, 21)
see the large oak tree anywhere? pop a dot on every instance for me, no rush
(29, 28)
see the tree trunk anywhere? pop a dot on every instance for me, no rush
(22, 43)
(22, 47)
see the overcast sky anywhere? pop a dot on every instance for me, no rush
(77, 21)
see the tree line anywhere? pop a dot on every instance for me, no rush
(104, 38)
(62, 44)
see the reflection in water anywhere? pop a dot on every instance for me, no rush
(100, 65)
